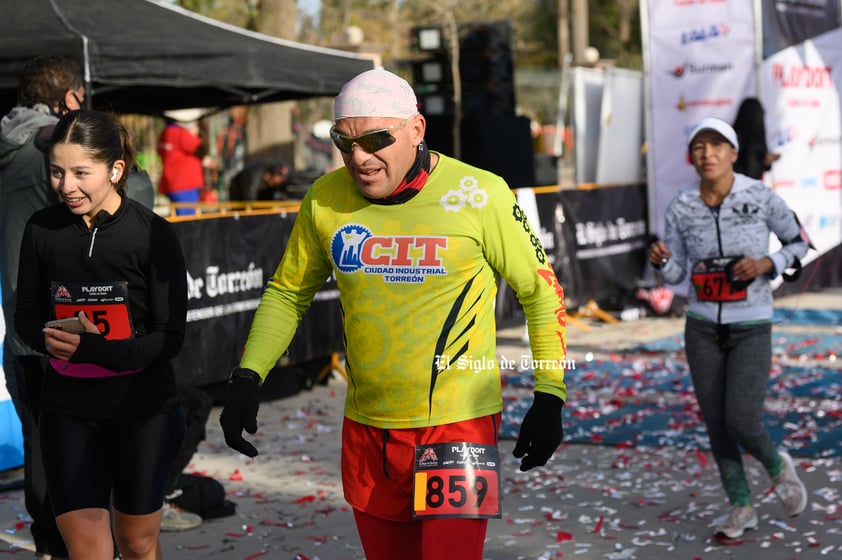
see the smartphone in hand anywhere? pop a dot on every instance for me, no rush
(70, 324)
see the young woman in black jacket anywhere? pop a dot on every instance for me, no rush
(110, 417)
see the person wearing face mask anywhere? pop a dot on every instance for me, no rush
(48, 87)
(416, 241)
(717, 232)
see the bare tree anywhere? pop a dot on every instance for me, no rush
(269, 131)
(627, 10)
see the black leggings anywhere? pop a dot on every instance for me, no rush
(730, 367)
(88, 460)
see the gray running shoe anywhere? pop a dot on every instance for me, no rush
(789, 488)
(174, 518)
(740, 519)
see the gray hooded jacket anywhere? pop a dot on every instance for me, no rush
(741, 228)
(24, 188)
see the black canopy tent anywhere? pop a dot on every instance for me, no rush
(147, 56)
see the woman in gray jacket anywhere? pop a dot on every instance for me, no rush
(718, 232)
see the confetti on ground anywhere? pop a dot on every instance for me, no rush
(647, 400)
(634, 479)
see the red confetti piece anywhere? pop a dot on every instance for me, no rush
(599, 523)
(273, 523)
(703, 461)
(323, 539)
(562, 536)
(305, 499)
(725, 541)
(236, 476)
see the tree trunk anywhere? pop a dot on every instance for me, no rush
(269, 131)
(626, 9)
(581, 33)
(563, 31)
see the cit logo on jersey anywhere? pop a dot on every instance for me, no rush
(397, 258)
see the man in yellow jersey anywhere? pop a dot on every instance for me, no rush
(417, 241)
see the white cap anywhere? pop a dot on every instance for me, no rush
(717, 125)
(375, 93)
(185, 115)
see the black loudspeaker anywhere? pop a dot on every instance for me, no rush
(500, 144)
(546, 169)
(486, 66)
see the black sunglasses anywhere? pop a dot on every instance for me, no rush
(369, 142)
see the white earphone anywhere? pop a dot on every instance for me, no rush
(114, 175)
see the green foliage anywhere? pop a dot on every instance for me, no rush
(605, 26)
(386, 26)
(235, 12)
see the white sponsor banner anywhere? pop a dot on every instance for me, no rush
(701, 63)
(801, 93)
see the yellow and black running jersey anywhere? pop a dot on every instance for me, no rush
(417, 284)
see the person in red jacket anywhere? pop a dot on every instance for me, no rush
(181, 149)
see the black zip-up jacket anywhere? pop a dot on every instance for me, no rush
(135, 246)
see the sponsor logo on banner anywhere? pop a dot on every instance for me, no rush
(833, 179)
(828, 221)
(683, 103)
(696, 68)
(817, 141)
(215, 282)
(803, 103)
(705, 33)
(605, 232)
(809, 182)
(782, 137)
(406, 259)
(802, 76)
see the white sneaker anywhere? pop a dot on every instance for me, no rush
(739, 520)
(789, 488)
(174, 518)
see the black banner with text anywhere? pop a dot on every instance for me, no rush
(229, 261)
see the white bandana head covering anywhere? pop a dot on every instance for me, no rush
(375, 93)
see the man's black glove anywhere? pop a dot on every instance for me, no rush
(240, 410)
(540, 432)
